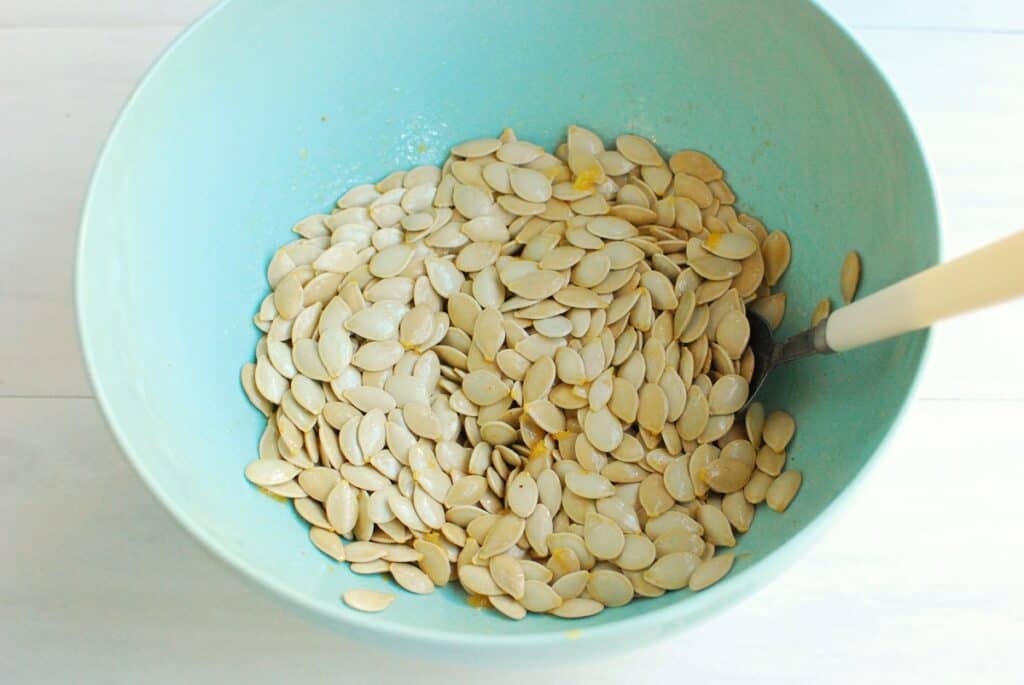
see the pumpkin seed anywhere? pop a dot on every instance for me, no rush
(695, 415)
(821, 311)
(311, 512)
(466, 490)
(477, 580)
(538, 597)
(433, 562)
(710, 571)
(577, 608)
(638, 150)
(685, 185)
(537, 286)
(715, 268)
(696, 164)
(508, 575)
(477, 148)
(445, 278)
(518, 152)
(421, 420)
(610, 588)
(318, 482)
(653, 496)
(717, 529)
(508, 607)
(368, 600)
(726, 475)
(638, 552)
(653, 407)
(589, 485)
(778, 430)
(484, 388)
(530, 185)
(411, 578)
(849, 276)
(267, 472)
(503, 535)
(783, 489)
(611, 228)
(602, 536)
(327, 542)
(572, 584)
(738, 510)
(777, 253)
(756, 488)
(772, 308)
(679, 539)
(728, 394)
(539, 526)
(522, 495)
(378, 355)
(677, 480)
(341, 507)
(603, 430)
(672, 571)
(733, 333)
(687, 215)
(268, 381)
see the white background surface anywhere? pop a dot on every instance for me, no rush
(918, 581)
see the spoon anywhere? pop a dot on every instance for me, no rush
(988, 276)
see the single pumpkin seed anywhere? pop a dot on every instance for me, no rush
(572, 584)
(696, 164)
(411, 578)
(710, 571)
(717, 529)
(778, 430)
(603, 536)
(728, 394)
(783, 489)
(738, 510)
(508, 607)
(577, 607)
(849, 276)
(777, 252)
(821, 311)
(538, 597)
(368, 600)
(267, 472)
(672, 571)
(477, 580)
(508, 575)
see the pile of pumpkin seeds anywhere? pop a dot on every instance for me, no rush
(525, 372)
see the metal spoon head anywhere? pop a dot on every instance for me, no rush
(763, 345)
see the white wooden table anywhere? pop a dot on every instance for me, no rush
(919, 581)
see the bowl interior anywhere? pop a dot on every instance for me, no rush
(265, 112)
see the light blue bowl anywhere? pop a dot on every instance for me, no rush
(263, 112)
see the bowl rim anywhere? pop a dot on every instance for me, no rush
(698, 608)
